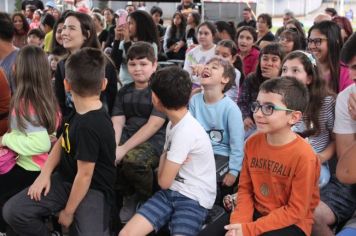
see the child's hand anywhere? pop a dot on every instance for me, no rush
(229, 202)
(229, 180)
(65, 218)
(233, 230)
(248, 123)
(197, 69)
(42, 182)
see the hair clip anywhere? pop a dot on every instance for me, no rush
(309, 56)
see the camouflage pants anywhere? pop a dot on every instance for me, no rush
(136, 170)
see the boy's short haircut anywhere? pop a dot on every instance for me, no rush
(247, 9)
(156, 9)
(294, 94)
(37, 32)
(173, 86)
(85, 71)
(348, 51)
(229, 71)
(58, 52)
(141, 50)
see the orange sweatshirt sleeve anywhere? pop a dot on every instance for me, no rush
(303, 186)
(243, 212)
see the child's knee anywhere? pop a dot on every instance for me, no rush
(9, 212)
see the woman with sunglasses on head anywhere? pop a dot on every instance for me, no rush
(325, 43)
(268, 67)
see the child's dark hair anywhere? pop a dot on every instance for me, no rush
(290, 89)
(37, 32)
(229, 71)
(58, 52)
(348, 51)
(85, 71)
(7, 29)
(48, 19)
(196, 17)
(146, 29)
(34, 89)
(333, 33)
(273, 49)
(173, 86)
(238, 62)
(267, 18)
(141, 50)
(156, 9)
(317, 89)
(210, 26)
(250, 29)
(229, 27)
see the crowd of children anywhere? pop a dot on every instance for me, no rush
(96, 129)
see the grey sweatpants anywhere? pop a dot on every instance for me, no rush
(25, 216)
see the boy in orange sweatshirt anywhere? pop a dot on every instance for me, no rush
(278, 188)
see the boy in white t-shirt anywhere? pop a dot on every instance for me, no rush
(184, 172)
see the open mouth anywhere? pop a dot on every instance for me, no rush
(205, 74)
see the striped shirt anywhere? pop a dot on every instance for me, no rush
(326, 122)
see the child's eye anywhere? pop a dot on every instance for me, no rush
(284, 70)
(295, 70)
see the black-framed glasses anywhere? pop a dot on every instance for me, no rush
(267, 109)
(316, 41)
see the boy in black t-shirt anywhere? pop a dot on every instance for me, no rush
(139, 130)
(82, 188)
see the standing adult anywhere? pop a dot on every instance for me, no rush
(264, 34)
(247, 18)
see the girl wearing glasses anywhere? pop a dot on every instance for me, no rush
(325, 42)
(318, 120)
(268, 67)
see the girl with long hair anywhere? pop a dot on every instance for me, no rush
(33, 117)
(174, 40)
(325, 43)
(21, 29)
(318, 119)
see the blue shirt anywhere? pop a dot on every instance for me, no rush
(223, 123)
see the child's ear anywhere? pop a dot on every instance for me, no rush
(103, 84)
(295, 117)
(155, 64)
(225, 80)
(67, 86)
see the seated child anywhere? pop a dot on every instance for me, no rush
(139, 130)
(54, 57)
(220, 116)
(35, 37)
(278, 186)
(184, 172)
(81, 190)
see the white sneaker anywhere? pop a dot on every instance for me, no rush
(2, 234)
(128, 209)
